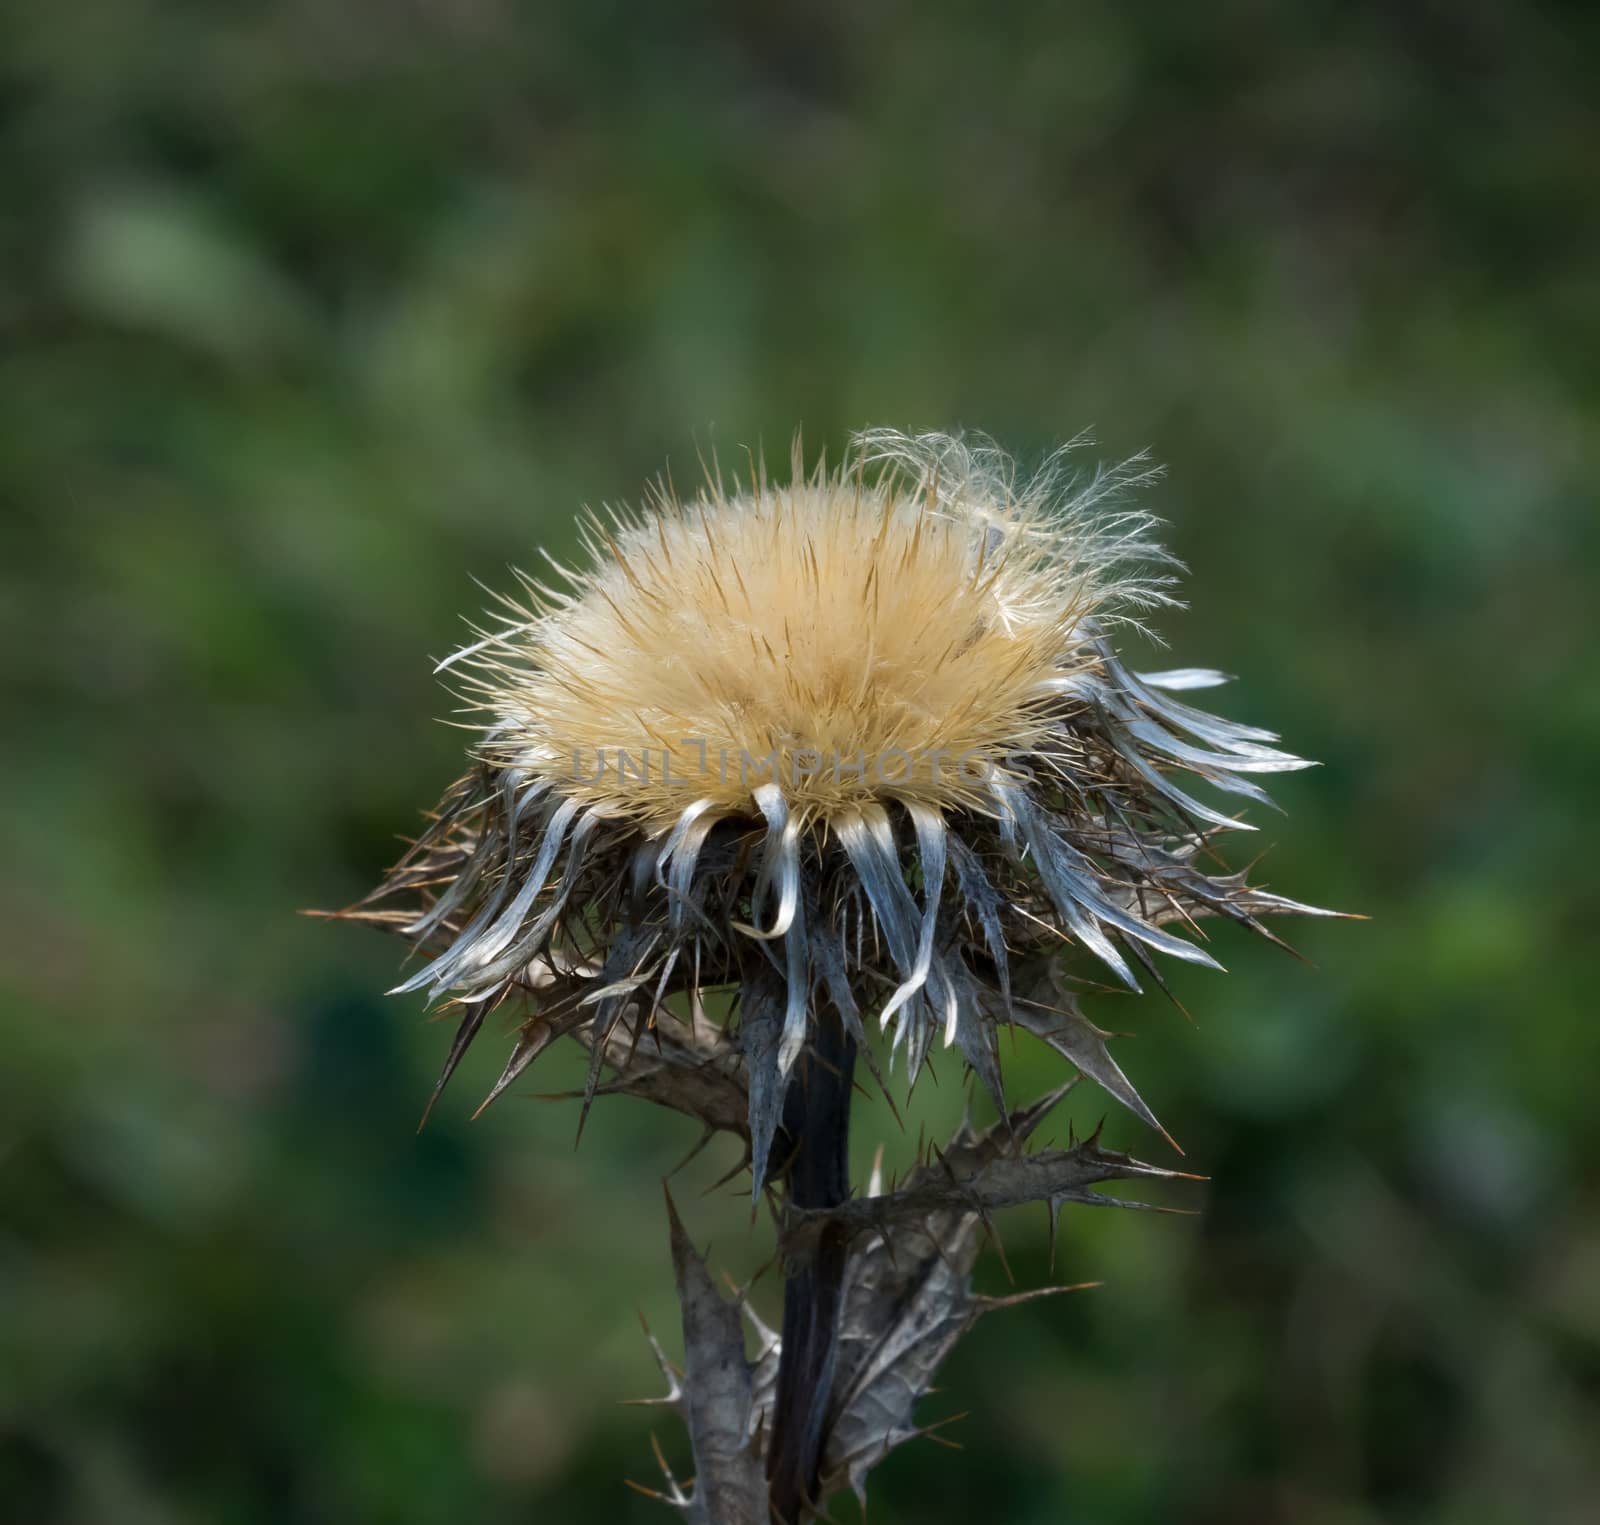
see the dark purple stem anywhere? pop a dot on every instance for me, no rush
(816, 1119)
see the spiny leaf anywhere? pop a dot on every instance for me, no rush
(909, 1299)
(690, 1071)
(1072, 1035)
(730, 1482)
(960, 1182)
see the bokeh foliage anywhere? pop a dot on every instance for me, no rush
(312, 313)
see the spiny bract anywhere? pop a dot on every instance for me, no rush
(860, 739)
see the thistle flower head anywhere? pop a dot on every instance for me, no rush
(854, 639)
(855, 746)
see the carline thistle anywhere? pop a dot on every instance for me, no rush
(856, 751)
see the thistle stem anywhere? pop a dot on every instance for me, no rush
(816, 1118)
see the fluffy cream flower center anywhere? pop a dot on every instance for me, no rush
(843, 640)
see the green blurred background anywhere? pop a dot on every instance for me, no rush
(311, 314)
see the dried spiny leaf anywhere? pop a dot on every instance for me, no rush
(730, 1481)
(1053, 1015)
(909, 1299)
(693, 1071)
(979, 1179)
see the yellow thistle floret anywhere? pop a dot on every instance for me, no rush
(857, 742)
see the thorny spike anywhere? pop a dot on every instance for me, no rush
(536, 1038)
(466, 1031)
(673, 1398)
